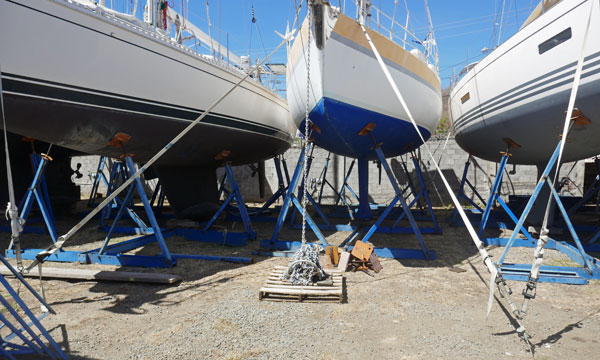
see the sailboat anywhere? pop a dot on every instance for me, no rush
(517, 95)
(76, 73)
(348, 90)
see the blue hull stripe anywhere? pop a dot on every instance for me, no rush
(340, 123)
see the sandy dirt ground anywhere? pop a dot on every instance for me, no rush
(412, 309)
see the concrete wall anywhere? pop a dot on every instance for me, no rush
(519, 179)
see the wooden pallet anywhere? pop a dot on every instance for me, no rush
(277, 289)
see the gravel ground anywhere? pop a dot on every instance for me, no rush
(410, 310)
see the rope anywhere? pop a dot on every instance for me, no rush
(306, 133)
(62, 239)
(529, 292)
(11, 208)
(495, 278)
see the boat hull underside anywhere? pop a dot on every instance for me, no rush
(340, 124)
(536, 126)
(90, 129)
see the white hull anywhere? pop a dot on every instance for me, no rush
(121, 73)
(346, 77)
(520, 91)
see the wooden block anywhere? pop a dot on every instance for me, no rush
(344, 259)
(90, 274)
(333, 253)
(362, 251)
(325, 262)
(375, 264)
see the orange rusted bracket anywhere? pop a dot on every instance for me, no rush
(222, 155)
(578, 118)
(367, 129)
(125, 155)
(119, 140)
(46, 157)
(511, 143)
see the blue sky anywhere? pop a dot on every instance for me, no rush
(462, 28)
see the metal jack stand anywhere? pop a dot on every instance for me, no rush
(455, 219)
(115, 254)
(495, 197)
(396, 253)
(99, 177)
(225, 237)
(118, 174)
(349, 213)
(281, 189)
(419, 194)
(326, 224)
(274, 246)
(592, 191)
(346, 186)
(590, 267)
(158, 196)
(23, 324)
(38, 192)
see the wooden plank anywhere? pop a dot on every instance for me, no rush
(344, 259)
(329, 271)
(99, 275)
(279, 286)
(300, 291)
(279, 282)
(277, 289)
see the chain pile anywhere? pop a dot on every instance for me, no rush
(304, 268)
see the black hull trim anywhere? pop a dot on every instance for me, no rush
(88, 129)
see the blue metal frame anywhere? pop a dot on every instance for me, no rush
(281, 190)
(292, 200)
(119, 173)
(99, 177)
(272, 247)
(424, 253)
(593, 190)
(455, 218)
(113, 254)
(577, 253)
(346, 186)
(23, 329)
(418, 194)
(38, 193)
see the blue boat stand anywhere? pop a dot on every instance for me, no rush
(103, 162)
(23, 324)
(454, 219)
(38, 193)
(119, 173)
(590, 267)
(262, 214)
(277, 247)
(114, 254)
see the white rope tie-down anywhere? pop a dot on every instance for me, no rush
(529, 292)
(495, 278)
(12, 212)
(62, 239)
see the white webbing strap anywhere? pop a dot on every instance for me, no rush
(480, 247)
(11, 209)
(61, 240)
(543, 238)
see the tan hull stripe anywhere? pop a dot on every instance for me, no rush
(391, 51)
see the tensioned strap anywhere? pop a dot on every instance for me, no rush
(480, 247)
(543, 238)
(13, 212)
